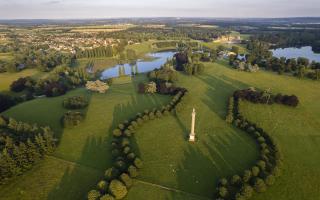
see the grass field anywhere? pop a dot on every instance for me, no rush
(7, 78)
(173, 168)
(83, 152)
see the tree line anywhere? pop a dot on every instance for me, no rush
(268, 167)
(21, 146)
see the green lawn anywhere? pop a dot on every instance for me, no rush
(174, 168)
(83, 151)
(7, 78)
(171, 161)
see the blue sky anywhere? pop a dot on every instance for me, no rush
(57, 9)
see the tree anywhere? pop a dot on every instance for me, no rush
(246, 176)
(102, 186)
(259, 185)
(118, 189)
(125, 178)
(223, 191)
(270, 180)
(107, 197)
(247, 191)
(133, 171)
(255, 171)
(151, 87)
(94, 195)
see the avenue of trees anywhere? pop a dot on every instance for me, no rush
(268, 167)
(22, 145)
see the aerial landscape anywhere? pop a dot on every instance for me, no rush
(159, 100)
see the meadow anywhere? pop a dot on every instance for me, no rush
(173, 167)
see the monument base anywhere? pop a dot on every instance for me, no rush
(192, 138)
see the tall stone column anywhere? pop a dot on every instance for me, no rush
(192, 136)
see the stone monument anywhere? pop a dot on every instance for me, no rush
(192, 136)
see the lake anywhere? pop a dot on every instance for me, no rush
(141, 65)
(293, 52)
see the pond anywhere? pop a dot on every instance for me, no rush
(293, 52)
(141, 66)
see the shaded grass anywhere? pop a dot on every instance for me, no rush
(87, 145)
(169, 159)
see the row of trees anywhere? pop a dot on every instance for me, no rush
(266, 97)
(107, 51)
(118, 179)
(266, 169)
(22, 145)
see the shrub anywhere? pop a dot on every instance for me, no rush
(128, 133)
(133, 171)
(235, 180)
(246, 176)
(117, 132)
(151, 115)
(102, 186)
(107, 197)
(138, 163)
(223, 182)
(259, 185)
(121, 126)
(125, 178)
(261, 164)
(111, 173)
(246, 191)
(255, 171)
(131, 156)
(276, 171)
(158, 114)
(239, 197)
(134, 124)
(223, 191)
(270, 180)
(126, 150)
(118, 189)
(125, 142)
(75, 102)
(94, 195)
(261, 139)
(139, 121)
(121, 165)
(145, 117)
(72, 118)
(150, 87)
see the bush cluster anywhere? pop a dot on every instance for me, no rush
(266, 169)
(75, 102)
(72, 118)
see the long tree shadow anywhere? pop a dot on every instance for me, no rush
(219, 89)
(82, 175)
